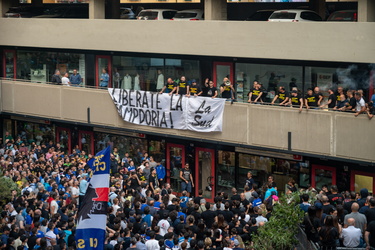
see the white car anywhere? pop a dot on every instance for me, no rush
(189, 15)
(294, 16)
(156, 14)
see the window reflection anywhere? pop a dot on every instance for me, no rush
(271, 77)
(150, 74)
(136, 147)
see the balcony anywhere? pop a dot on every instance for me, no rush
(311, 41)
(324, 134)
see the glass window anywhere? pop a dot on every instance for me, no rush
(150, 74)
(225, 171)
(39, 66)
(9, 64)
(363, 181)
(261, 167)
(351, 77)
(157, 150)
(322, 177)
(33, 132)
(136, 147)
(270, 76)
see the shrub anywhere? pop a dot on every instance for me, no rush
(279, 232)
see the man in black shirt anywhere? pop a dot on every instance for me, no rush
(195, 89)
(211, 90)
(282, 97)
(296, 101)
(226, 89)
(169, 87)
(318, 95)
(332, 99)
(208, 216)
(310, 99)
(182, 86)
(255, 94)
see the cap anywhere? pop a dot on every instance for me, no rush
(236, 242)
(193, 80)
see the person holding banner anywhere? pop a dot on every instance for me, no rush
(186, 179)
(169, 87)
(182, 87)
(92, 214)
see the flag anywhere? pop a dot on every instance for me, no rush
(92, 214)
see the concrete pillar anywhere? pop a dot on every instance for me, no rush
(6, 4)
(215, 9)
(366, 11)
(319, 6)
(112, 9)
(97, 9)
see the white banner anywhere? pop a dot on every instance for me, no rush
(202, 114)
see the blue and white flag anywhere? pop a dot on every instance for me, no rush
(92, 214)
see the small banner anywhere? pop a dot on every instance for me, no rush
(201, 114)
(92, 214)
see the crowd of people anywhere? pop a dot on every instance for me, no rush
(144, 211)
(339, 99)
(340, 219)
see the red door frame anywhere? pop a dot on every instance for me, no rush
(352, 179)
(231, 72)
(314, 167)
(60, 129)
(92, 140)
(213, 169)
(98, 71)
(168, 157)
(14, 63)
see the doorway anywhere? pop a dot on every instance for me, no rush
(221, 70)
(175, 161)
(359, 180)
(322, 175)
(64, 137)
(205, 172)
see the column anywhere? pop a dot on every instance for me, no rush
(97, 9)
(113, 9)
(6, 4)
(366, 11)
(215, 9)
(319, 6)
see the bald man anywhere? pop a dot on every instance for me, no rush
(351, 235)
(360, 219)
